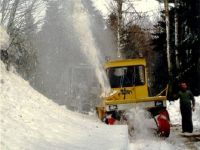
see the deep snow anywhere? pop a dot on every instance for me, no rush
(31, 121)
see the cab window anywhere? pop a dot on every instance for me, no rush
(126, 76)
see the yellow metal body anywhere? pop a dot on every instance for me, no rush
(135, 92)
(128, 95)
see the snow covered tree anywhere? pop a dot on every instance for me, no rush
(160, 71)
(21, 18)
(189, 47)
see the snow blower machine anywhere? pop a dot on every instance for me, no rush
(128, 81)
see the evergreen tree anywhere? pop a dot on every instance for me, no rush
(160, 71)
(188, 46)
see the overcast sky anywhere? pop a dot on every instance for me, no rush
(147, 5)
(151, 6)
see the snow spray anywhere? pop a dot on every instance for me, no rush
(81, 23)
(140, 120)
(69, 67)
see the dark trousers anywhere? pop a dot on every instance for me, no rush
(186, 113)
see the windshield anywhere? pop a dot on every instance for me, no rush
(126, 76)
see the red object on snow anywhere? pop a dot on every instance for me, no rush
(111, 121)
(163, 123)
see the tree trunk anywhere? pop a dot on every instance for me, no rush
(168, 37)
(119, 28)
(176, 34)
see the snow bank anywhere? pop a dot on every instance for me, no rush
(175, 115)
(151, 144)
(28, 120)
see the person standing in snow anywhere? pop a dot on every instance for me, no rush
(187, 105)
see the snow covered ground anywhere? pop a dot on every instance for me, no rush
(28, 120)
(175, 116)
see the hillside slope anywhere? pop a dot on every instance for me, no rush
(31, 121)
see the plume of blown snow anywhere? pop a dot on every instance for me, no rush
(140, 120)
(88, 45)
(143, 137)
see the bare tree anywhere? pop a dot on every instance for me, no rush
(20, 17)
(12, 15)
(123, 16)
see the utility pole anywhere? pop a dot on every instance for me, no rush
(166, 4)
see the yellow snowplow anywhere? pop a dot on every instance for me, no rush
(129, 83)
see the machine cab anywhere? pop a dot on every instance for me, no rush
(128, 78)
(128, 81)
